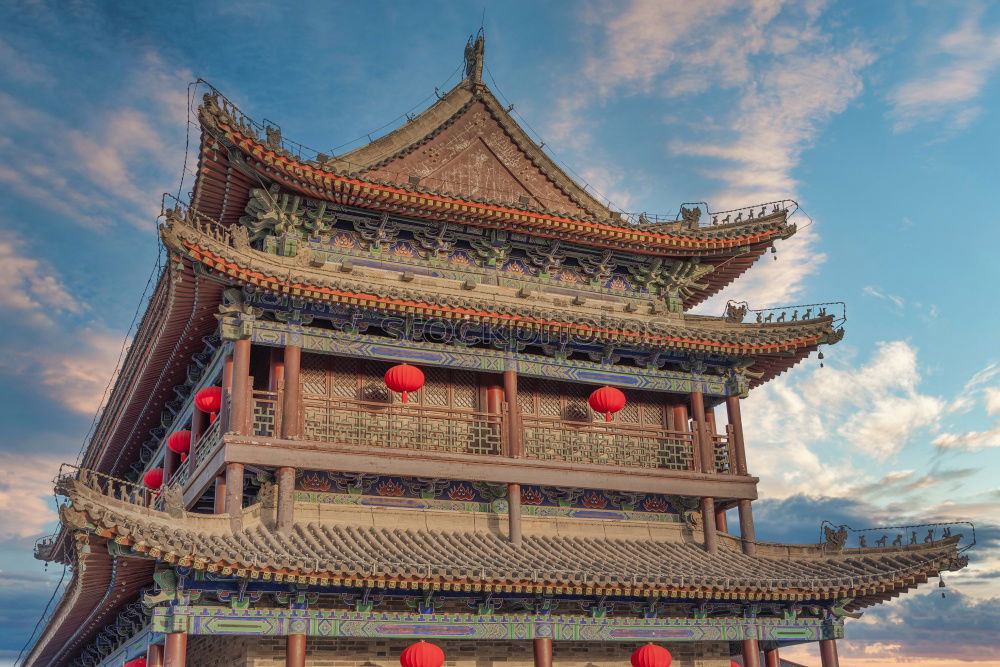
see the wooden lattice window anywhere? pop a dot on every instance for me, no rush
(565, 401)
(327, 376)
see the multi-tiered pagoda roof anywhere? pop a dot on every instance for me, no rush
(457, 221)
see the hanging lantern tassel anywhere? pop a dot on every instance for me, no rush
(651, 655)
(404, 378)
(941, 584)
(422, 654)
(821, 358)
(607, 401)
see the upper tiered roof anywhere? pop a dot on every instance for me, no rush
(465, 160)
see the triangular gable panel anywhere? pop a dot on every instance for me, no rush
(472, 155)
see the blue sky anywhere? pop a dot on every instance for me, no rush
(881, 119)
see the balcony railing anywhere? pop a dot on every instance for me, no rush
(410, 426)
(401, 426)
(607, 443)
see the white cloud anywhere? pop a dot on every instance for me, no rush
(782, 77)
(113, 164)
(26, 505)
(866, 412)
(992, 399)
(875, 292)
(965, 58)
(29, 286)
(77, 377)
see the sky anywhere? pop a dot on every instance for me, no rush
(881, 119)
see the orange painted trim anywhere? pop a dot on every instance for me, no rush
(278, 284)
(320, 178)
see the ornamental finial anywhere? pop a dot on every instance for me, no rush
(474, 49)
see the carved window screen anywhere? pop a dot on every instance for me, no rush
(327, 376)
(564, 401)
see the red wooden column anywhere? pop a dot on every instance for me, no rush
(220, 494)
(238, 423)
(238, 417)
(703, 444)
(290, 407)
(199, 420)
(748, 535)
(234, 495)
(751, 653)
(295, 651)
(721, 523)
(515, 449)
(291, 403)
(828, 653)
(154, 655)
(175, 649)
(543, 652)
(227, 392)
(771, 658)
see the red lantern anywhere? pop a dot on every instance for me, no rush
(153, 478)
(404, 378)
(733, 663)
(421, 654)
(651, 655)
(209, 399)
(179, 442)
(607, 400)
(138, 662)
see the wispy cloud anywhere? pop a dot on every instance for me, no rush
(965, 59)
(26, 506)
(782, 75)
(982, 389)
(869, 412)
(29, 287)
(878, 294)
(113, 163)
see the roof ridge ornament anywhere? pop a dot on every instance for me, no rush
(474, 50)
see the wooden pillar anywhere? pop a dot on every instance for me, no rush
(514, 442)
(227, 392)
(702, 436)
(234, 495)
(154, 655)
(721, 523)
(736, 421)
(828, 653)
(543, 652)
(708, 525)
(514, 513)
(515, 449)
(751, 653)
(277, 375)
(169, 465)
(291, 403)
(680, 423)
(295, 651)
(175, 649)
(286, 499)
(747, 535)
(239, 419)
(220, 494)
(199, 420)
(771, 658)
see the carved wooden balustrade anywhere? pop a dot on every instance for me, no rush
(380, 424)
(409, 426)
(607, 443)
